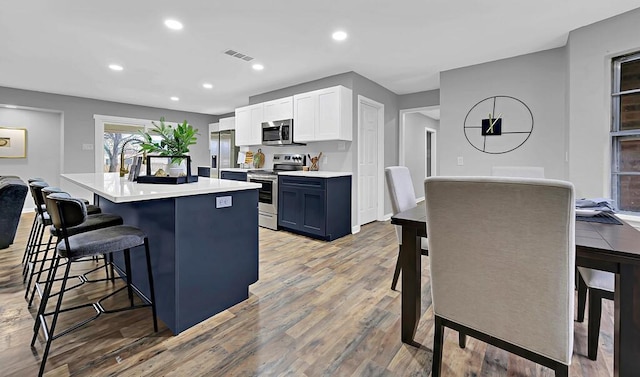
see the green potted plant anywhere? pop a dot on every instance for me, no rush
(173, 142)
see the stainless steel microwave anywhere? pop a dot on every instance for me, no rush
(277, 132)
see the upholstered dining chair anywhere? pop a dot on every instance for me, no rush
(600, 285)
(502, 260)
(403, 197)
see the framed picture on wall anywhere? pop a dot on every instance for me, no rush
(13, 142)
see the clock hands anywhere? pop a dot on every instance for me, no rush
(492, 123)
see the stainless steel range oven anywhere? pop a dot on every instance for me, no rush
(268, 193)
(267, 197)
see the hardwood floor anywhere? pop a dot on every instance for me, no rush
(319, 309)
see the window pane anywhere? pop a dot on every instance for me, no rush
(630, 75)
(113, 144)
(629, 197)
(630, 112)
(629, 155)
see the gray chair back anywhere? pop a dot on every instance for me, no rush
(502, 258)
(401, 192)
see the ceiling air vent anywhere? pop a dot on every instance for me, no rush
(238, 55)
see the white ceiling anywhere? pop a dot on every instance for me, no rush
(65, 46)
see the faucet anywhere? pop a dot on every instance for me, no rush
(123, 169)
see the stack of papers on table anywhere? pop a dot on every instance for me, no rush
(595, 204)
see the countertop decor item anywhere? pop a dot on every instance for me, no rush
(171, 180)
(248, 158)
(258, 159)
(314, 162)
(174, 142)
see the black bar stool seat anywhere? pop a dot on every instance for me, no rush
(99, 242)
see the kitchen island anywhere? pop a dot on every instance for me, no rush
(203, 240)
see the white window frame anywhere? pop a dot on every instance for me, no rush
(616, 134)
(101, 120)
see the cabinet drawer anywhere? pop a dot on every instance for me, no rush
(302, 182)
(233, 175)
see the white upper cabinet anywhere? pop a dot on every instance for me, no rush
(227, 123)
(304, 116)
(324, 114)
(248, 123)
(278, 109)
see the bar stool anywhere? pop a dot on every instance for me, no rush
(34, 225)
(69, 212)
(42, 222)
(94, 221)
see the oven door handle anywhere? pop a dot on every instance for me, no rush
(262, 178)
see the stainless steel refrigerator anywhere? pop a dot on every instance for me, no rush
(223, 151)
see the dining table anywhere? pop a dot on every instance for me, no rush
(608, 247)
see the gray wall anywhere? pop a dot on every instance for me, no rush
(590, 51)
(79, 126)
(538, 80)
(43, 146)
(419, 99)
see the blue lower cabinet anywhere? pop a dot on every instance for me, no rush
(233, 175)
(315, 207)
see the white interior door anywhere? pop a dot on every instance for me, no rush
(368, 163)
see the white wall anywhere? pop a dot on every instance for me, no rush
(414, 147)
(590, 51)
(43, 146)
(538, 80)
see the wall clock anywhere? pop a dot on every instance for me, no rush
(498, 124)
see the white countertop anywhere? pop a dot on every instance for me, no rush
(120, 190)
(317, 174)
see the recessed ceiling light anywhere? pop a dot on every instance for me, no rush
(206, 85)
(173, 24)
(339, 35)
(258, 67)
(175, 99)
(115, 67)
(11, 106)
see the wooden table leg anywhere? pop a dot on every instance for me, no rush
(411, 284)
(626, 345)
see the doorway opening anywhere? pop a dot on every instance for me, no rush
(417, 144)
